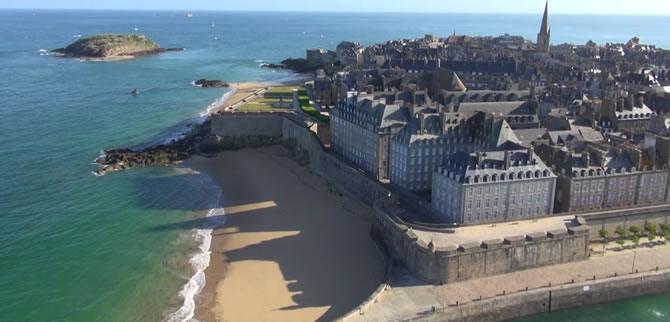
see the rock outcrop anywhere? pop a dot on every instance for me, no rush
(161, 155)
(211, 83)
(108, 46)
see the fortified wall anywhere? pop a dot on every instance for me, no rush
(638, 216)
(551, 299)
(441, 263)
(234, 130)
(432, 263)
(299, 134)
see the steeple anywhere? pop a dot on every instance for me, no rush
(545, 31)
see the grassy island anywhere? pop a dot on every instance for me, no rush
(111, 46)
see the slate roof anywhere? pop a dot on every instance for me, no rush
(466, 165)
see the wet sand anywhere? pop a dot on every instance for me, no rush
(292, 248)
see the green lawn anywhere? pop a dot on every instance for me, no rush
(306, 107)
(262, 104)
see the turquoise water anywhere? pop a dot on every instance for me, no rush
(653, 308)
(75, 247)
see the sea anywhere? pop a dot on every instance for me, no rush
(76, 247)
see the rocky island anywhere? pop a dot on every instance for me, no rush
(211, 83)
(108, 47)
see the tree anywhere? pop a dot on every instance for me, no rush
(635, 230)
(621, 232)
(604, 234)
(651, 228)
(665, 227)
(636, 240)
(666, 235)
(620, 241)
(651, 237)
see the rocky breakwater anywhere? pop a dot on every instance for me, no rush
(160, 155)
(107, 47)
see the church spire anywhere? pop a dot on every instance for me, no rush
(545, 20)
(544, 36)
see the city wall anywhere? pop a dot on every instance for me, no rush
(452, 263)
(639, 216)
(550, 299)
(433, 264)
(234, 130)
(299, 138)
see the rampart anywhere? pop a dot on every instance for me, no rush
(441, 264)
(638, 216)
(243, 129)
(572, 294)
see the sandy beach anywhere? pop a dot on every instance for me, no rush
(292, 248)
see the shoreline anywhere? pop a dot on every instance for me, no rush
(272, 260)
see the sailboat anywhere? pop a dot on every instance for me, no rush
(136, 29)
(134, 92)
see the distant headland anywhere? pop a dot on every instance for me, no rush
(108, 47)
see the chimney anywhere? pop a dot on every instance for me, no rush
(480, 159)
(640, 100)
(629, 102)
(531, 155)
(586, 157)
(620, 104)
(443, 117)
(508, 159)
(422, 122)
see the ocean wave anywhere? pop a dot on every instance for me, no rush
(259, 60)
(199, 262)
(180, 130)
(43, 50)
(212, 107)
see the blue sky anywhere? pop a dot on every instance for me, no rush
(475, 6)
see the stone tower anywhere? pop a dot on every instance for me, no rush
(545, 32)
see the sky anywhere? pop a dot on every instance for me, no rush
(658, 7)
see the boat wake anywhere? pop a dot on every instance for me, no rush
(199, 262)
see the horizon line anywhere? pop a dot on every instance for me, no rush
(341, 11)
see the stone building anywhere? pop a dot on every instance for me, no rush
(518, 114)
(350, 54)
(630, 115)
(603, 176)
(431, 137)
(362, 129)
(544, 36)
(485, 187)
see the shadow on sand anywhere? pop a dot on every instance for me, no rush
(324, 256)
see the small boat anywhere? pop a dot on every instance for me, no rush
(188, 15)
(134, 92)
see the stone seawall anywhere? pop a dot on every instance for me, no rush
(234, 130)
(452, 263)
(639, 216)
(304, 142)
(554, 298)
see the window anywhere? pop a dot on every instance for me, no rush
(585, 187)
(577, 186)
(593, 185)
(495, 202)
(479, 204)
